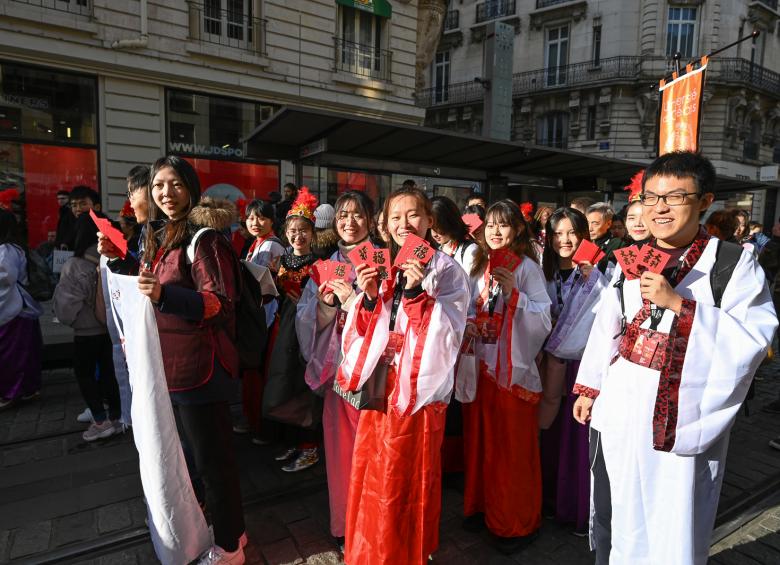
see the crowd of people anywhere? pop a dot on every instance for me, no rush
(420, 339)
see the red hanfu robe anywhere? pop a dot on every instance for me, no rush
(395, 490)
(500, 429)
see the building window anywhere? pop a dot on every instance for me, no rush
(590, 127)
(596, 58)
(441, 77)
(752, 145)
(556, 54)
(231, 23)
(552, 130)
(681, 31)
(359, 47)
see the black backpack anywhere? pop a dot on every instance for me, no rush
(251, 329)
(40, 283)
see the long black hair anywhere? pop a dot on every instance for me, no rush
(580, 225)
(176, 229)
(447, 219)
(507, 211)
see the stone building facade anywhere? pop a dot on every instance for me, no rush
(583, 72)
(90, 88)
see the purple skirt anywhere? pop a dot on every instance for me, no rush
(565, 462)
(21, 346)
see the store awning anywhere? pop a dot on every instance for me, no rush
(376, 7)
(339, 140)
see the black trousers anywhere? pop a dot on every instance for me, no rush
(89, 353)
(602, 500)
(206, 430)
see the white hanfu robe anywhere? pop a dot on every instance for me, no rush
(178, 529)
(665, 451)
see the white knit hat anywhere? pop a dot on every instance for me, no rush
(324, 215)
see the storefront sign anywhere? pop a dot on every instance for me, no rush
(315, 147)
(206, 150)
(681, 111)
(768, 173)
(29, 101)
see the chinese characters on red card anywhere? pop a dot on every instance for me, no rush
(414, 248)
(634, 261)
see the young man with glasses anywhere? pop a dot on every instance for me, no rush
(664, 373)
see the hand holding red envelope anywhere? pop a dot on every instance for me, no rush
(653, 260)
(362, 254)
(114, 235)
(634, 261)
(414, 248)
(473, 221)
(588, 252)
(628, 259)
(503, 258)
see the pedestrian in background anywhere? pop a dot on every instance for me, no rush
(65, 219)
(75, 305)
(20, 330)
(326, 239)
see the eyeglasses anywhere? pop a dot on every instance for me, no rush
(673, 199)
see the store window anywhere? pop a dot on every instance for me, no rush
(208, 131)
(48, 141)
(376, 186)
(681, 31)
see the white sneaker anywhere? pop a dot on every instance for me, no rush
(85, 417)
(218, 556)
(99, 431)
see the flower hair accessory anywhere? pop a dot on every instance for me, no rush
(7, 197)
(304, 205)
(634, 188)
(527, 209)
(241, 205)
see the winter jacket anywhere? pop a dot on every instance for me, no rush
(196, 311)
(74, 297)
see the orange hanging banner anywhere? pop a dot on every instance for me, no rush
(680, 112)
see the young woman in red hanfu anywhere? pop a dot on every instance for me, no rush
(394, 499)
(510, 318)
(322, 313)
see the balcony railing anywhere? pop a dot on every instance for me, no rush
(80, 7)
(362, 60)
(613, 68)
(493, 9)
(452, 20)
(229, 28)
(548, 3)
(626, 69)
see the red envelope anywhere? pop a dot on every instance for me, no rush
(114, 235)
(653, 260)
(628, 258)
(588, 252)
(473, 221)
(503, 258)
(380, 258)
(362, 254)
(414, 248)
(319, 271)
(339, 271)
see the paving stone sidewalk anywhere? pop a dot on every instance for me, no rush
(56, 491)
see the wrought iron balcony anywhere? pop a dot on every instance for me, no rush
(451, 94)
(452, 20)
(80, 7)
(548, 3)
(362, 60)
(229, 28)
(493, 9)
(624, 69)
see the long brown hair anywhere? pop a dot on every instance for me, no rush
(175, 231)
(421, 198)
(579, 224)
(506, 211)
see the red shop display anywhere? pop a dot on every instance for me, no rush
(235, 180)
(47, 169)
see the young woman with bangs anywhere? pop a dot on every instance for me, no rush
(509, 318)
(574, 290)
(451, 234)
(394, 500)
(322, 313)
